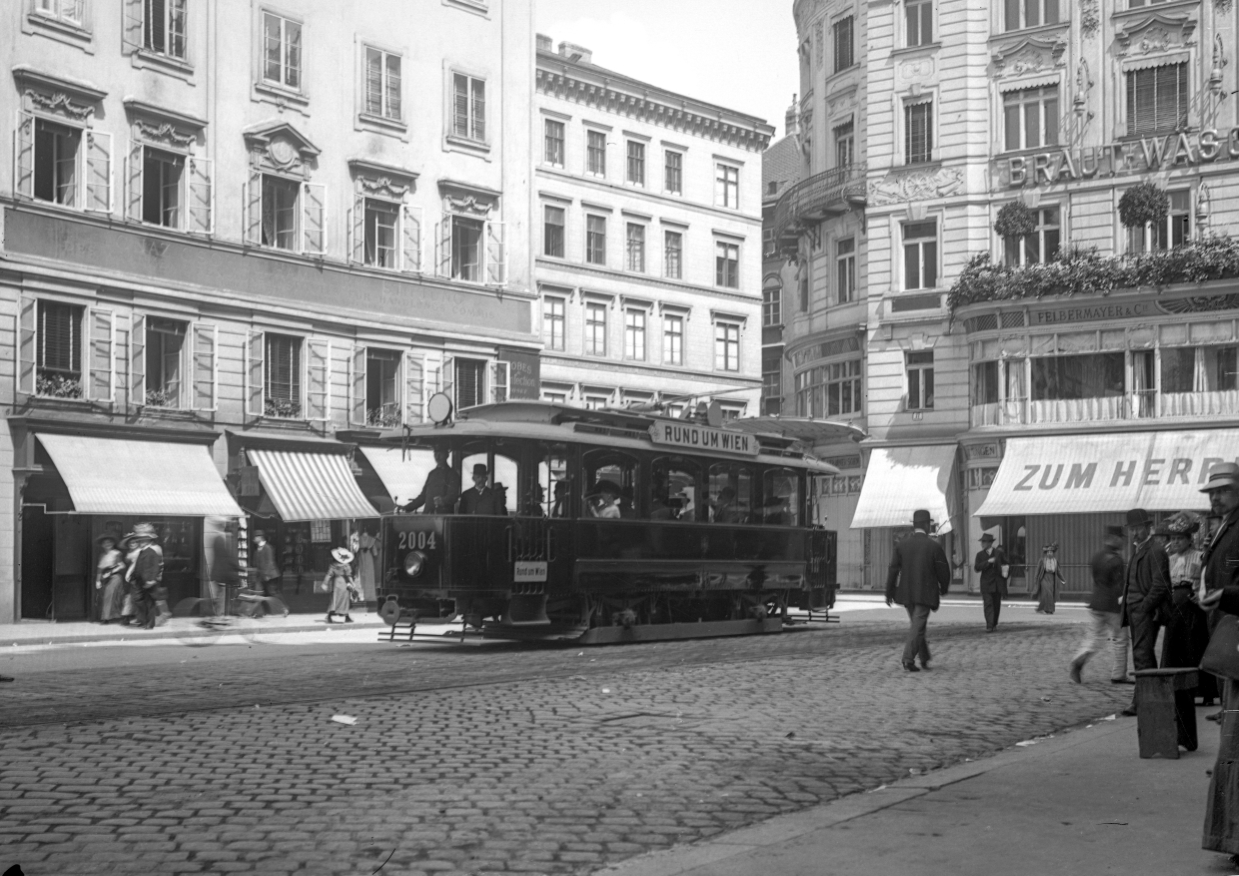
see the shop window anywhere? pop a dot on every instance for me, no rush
(1157, 100)
(985, 383)
(1030, 118)
(731, 493)
(920, 369)
(59, 340)
(780, 497)
(1198, 369)
(282, 377)
(1039, 247)
(1019, 14)
(674, 490)
(166, 349)
(382, 388)
(1174, 230)
(673, 339)
(1096, 375)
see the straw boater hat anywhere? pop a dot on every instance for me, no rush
(1223, 474)
(342, 555)
(142, 531)
(987, 537)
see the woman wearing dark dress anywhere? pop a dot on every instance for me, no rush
(110, 580)
(1048, 578)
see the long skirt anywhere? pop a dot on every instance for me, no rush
(1222, 810)
(1047, 594)
(339, 597)
(112, 598)
(1187, 635)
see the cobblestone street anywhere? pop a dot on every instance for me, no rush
(507, 760)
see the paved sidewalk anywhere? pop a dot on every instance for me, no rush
(1078, 803)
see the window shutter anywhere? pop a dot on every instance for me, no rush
(137, 360)
(23, 156)
(357, 231)
(496, 254)
(447, 378)
(318, 379)
(206, 367)
(132, 34)
(357, 392)
(98, 171)
(414, 389)
(201, 195)
(255, 395)
(252, 198)
(314, 218)
(499, 378)
(411, 234)
(27, 345)
(133, 181)
(443, 247)
(99, 386)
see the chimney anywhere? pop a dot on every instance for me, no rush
(576, 53)
(546, 44)
(791, 122)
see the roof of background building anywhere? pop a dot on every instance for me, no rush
(780, 164)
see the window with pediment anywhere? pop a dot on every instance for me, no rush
(168, 182)
(469, 239)
(284, 209)
(384, 230)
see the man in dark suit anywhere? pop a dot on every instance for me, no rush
(1146, 589)
(919, 574)
(481, 499)
(991, 562)
(441, 489)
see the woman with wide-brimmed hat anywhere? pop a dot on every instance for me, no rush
(1048, 579)
(1186, 624)
(340, 584)
(110, 580)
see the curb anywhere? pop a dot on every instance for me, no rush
(782, 828)
(138, 635)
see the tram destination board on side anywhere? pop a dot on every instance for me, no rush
(689, 436)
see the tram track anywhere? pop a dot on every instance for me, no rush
(76, 697)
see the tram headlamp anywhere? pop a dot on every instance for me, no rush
(414, 562)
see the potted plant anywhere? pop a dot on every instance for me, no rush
(1015, 219)
(1141, 204)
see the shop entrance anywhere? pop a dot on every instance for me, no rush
(36, 564)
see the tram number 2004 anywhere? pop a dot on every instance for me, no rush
(419, 540)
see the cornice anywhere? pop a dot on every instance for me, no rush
(141, 107)
(687, 118)
(630, 278)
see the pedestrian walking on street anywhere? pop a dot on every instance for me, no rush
(991, 562)
(110, 580)
(1146, 592)
(269, 576)
(919, 575)
(340, 584)
(1221, 582)
(1105, 620)
(1047, 580)
(145, 572)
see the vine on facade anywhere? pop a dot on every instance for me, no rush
(1079, 271)
(1223, 6)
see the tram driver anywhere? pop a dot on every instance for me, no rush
(441, 490)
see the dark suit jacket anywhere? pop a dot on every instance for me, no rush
(148, 568)
(264, 562)
(485, 501)
(991, 573)
(1221, 558)
(441, 483)
(1148, 582)
(919, 571)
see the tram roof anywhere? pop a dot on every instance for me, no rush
(802, 429)
(548, 421)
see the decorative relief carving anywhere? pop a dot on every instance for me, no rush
(916, 69)
(384, 186)
(840, 104)
(1201, 304)
(899, 187)
(1090, 18)
(819, 39)
(165, 132)
(1156, 33)
(1029, 56)
(468, 205)
(1223, 6)
(61, 104)
(282, 148)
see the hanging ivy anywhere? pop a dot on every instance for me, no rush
(1015, 219)
(1141, 204)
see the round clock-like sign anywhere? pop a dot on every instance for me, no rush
(439, 408)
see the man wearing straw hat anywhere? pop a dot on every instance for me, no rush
(145, 572)
(919, 573)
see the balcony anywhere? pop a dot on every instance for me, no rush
(1143, 405)
(821, 196)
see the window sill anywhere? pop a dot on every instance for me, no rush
(62, 31)
(145, 59)
(382, 124)
(281, 96)
(925, 49)
(928, 164)
(1035, 30)
(477, 7)
(464, 144)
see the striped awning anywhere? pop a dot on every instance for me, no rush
(900, 480)
(147, 478)
(311, 485)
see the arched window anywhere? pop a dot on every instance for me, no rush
(675, 488)
(781, 497)
(731, 493)
(610, 484)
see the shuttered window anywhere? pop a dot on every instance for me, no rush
(1157, 99)
(470, 374)
(844, 55)
(60, 339)
(382, 84)
(918, 132)
(469, 107)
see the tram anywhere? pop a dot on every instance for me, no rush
(602, 526)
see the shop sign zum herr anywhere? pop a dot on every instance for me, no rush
(1129, 157)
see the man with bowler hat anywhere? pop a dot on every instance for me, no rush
(991, 562)
(1145, 591)
(919, 574)
(481, 499)
(1105, 621)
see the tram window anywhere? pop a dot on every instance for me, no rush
(673, 490)
(419, 489)
(500, 479)
(781, 492)
(610, 479)
(731, 493)
(554, 487)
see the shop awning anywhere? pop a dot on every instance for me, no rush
(148, 478)
(1086, 474)
(310, 486)
(402, 473)
(899, 480)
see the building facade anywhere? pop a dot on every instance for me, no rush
(239, 235)
(781, 165)
(1084, 364)
(648, 264)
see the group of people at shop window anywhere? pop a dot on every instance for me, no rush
(129, 579)
(441, 494)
